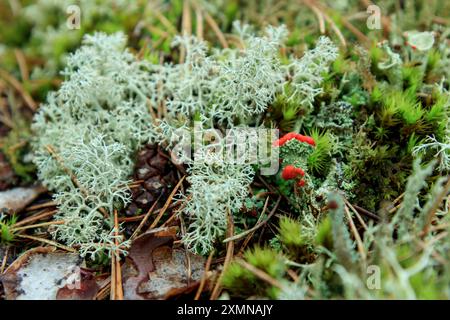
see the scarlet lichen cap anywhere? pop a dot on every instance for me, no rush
(290, 172)
(301, 183)
(293, 135)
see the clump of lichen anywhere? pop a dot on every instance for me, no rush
(86, 134)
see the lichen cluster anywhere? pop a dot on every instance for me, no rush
(359, 205)
(86, 135)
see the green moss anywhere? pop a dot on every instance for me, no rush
(6, 232)
(15, 147)
(290, 233)
(319, 159)
(240, 282)
(324, 235)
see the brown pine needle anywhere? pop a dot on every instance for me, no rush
(205, 276)
(41, 206)
(360, 219)
(260, 274)
(396, 203)
(116, 286)
(166, 205)
(5, 259)
(165, 22)
(186, 18)
(50, 242)
(104, 292)
(144, 220)
(141, 216)
(318, 14)
(358, 34)
(186, 252)
(21, 61)
(359, 242)
(186, 27)
(336, 30)
(250, 236)
(112, 292)
(228, 257)
(432, 211)
(212, 23)
(366, 212)
(257, 226)
(18, 86)
(35, 217)
(199, 22)
(38, 225)
(175, 214)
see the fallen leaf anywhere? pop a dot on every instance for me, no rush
(18, 198)
(40, 274)
(86, 290)
(155, 270)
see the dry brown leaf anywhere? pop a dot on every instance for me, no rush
(156, 270)
(87, 289)
(40, 274)
(15, 200)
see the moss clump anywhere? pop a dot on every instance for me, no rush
(241, 282)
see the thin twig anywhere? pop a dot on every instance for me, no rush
(41, 206)
(38, 225)
(228, 257)
(141, 216)
(199, 22)
(360, 219)
(260, 274)
(21, 61)
(432, 211)
(186, 252)
(358, 34)
(318, 14)
(5, 259)
(36, 217)
(257, 226)
(366, 213)
(52, 243)
(205, 276)
(250, 236)
(212, 23)
(186, 27)
(170, 27)
(18, 86)
(118, 270)
(356, 234)
(144, 220)
(166, 205)
(395, 205)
